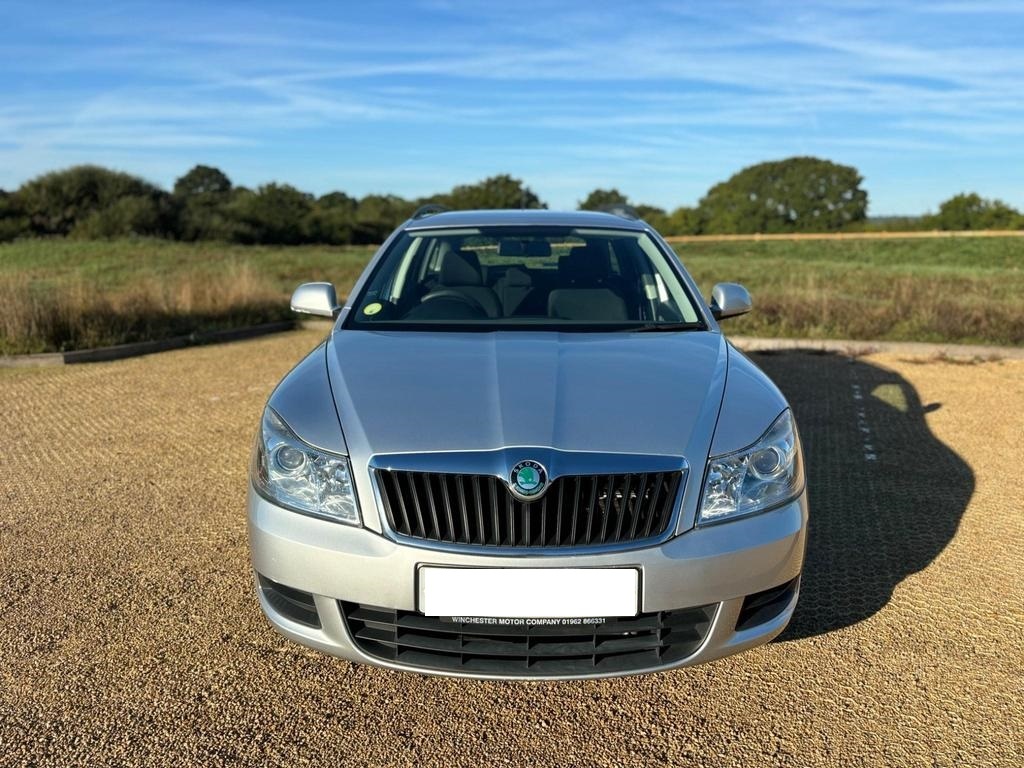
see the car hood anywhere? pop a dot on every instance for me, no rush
(647, 393)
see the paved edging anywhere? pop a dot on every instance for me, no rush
(747, 343)
(850, 347)
(121, 351)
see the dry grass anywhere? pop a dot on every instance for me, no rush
(867, 235)
(77, 314)
(944, 291)
(901, 308)
(58, 295)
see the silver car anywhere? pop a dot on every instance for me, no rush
(526, 450)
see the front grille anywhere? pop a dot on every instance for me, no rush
(617, 645)
(575, 510)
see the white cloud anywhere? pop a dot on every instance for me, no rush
(601, 91)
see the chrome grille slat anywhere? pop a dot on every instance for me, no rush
(639, 495)
(479, 508)
(460, 494)
(575, 511)
(492, 487)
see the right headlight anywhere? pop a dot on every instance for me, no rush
(303, 478)
(765, 475)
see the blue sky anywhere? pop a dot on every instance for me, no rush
(661, 100)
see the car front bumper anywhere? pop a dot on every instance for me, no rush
(719, 566)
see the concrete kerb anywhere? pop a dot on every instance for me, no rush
(857, 348)
(746, 343)
(121, 351)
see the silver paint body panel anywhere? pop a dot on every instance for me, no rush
(718, 564)
(303, 399)
(315, 299)
(750, 405)
(617, 393)
(730, 300)
(481, 401)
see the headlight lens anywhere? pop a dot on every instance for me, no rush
(301, 477)
(764, 475)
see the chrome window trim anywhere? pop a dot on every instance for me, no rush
(558, 463)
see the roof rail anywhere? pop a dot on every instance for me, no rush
(429, 210)
(622, 210)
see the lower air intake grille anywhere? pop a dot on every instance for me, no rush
(291, 603)
(575, 511)
(765, 606)
(616, 645)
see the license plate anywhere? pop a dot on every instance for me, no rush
(534, 593)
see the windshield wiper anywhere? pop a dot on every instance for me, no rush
(662, 327)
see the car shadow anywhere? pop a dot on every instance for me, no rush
(886, 495)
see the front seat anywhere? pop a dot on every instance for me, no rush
(512, 288)
(457, 273)
(589, 266)
(588, 290)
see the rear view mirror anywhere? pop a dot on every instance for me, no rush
(315, 299)
(729, 300)
(540, 249)
(509, 246)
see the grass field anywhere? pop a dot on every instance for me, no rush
(938, 290)
(63, 294)
(59, 295)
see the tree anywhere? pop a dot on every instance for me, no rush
(377, 215)
(55, 202)
(13, 223)
(682, 221)
(333, 219)
(971, 211)
(203, 181)
(203, 195)
(800, 194)
(600, 199)
(606, 199)
(501, 191)
(273, 214)
(129, 216)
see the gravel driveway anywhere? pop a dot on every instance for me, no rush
(130, 634)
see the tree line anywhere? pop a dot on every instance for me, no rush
(799, 194)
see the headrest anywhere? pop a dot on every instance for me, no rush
(471, 257)
(457, 269)
(586, 263)
(514, 276)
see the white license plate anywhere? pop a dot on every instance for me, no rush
(529, 592)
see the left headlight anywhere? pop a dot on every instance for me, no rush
(766, 474)
(301, 477)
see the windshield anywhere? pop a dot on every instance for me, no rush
(540, 278)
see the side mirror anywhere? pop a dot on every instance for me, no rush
(315, 299)
(729, 300)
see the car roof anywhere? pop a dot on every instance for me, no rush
(525, 218)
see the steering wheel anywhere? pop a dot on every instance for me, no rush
(452, 294)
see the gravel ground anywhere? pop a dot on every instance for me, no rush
(131, 635)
